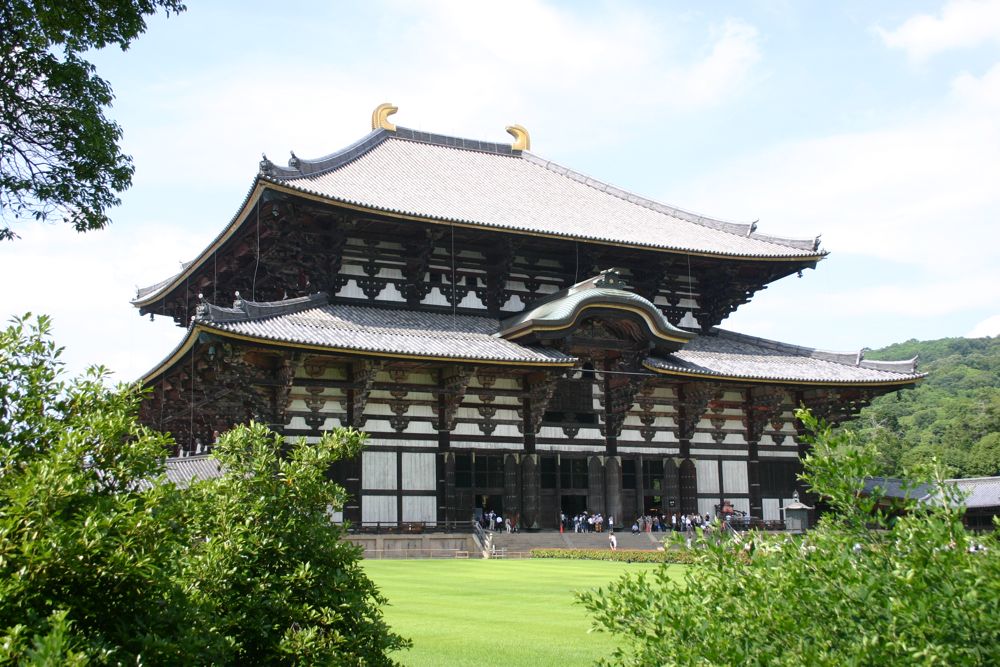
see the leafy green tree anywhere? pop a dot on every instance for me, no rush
(102, 561)
(282, 585)
(908, 593)
(59, 154)
(985, 456)
(86, 541)
(946, 415)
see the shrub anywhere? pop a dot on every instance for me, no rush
(621, 555)
(102, 561)
(910, 592)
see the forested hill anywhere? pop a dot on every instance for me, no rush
(953, 414)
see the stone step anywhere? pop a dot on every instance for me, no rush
(556, 540)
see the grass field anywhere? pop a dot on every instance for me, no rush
(493, 612)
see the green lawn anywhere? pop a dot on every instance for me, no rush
(494, 612)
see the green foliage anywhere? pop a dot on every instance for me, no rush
(84, 537)
(620, 556)
(102, 561)
(908, 593)
(59, 154)
(270, 565)
(946, 416)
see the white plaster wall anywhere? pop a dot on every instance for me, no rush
(420, 508)
(707, 506)
(378, 470)
(772, 509)
(708, 476)
(418, 472)
(420, 428)
(734, 477)
(378, 508)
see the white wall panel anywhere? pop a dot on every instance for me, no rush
(378, 508)
(420, 508)
(742, 504)
(378, 470)
(708, 476)
(390, 293)
(419, 473)
(772, 512)
(734, 477)
(420, 428)
(707, 506)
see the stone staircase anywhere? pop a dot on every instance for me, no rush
(523, 542)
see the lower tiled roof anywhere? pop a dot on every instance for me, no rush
(729, 355)
(391, 332)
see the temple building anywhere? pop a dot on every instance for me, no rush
(511, 334)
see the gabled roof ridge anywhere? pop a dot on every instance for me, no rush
(747, 229)
(459, 143)
(245, 310)
(299, 167)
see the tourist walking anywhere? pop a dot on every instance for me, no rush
(613, 541)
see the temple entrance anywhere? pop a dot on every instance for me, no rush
(572, 505)
(488, 503)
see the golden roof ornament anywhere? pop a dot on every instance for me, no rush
(380, 117)
(522, 142)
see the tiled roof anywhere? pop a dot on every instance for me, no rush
(450, 179)
(895, 487)
(312, 321)
(184, 470)
(726, 354)
(979, 491)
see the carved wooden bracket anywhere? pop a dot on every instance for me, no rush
(540, 393)
(363, 375)
(454, 383)
(763, 404)
(618, 400)
(693, 399)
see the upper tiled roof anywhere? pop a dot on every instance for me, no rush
(725, 354)
(459, 180)
(313, 321)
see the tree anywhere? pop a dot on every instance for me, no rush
(280, 582)
(908, 593)
(87, 543)
(103, 561)
(59, 154)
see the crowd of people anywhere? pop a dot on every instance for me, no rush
(662, 523)
(586, 522)
(494, 521)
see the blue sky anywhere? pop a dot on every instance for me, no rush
(873, 124)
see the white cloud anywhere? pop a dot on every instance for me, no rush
(560, 72)
(922, 192)
(988, 327)
(960, 24)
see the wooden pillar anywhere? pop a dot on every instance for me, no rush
(446, 487)
(511, 486)
(688, 486)
(671, 487)
(531, 489)
(613, 488)
(595, 485)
